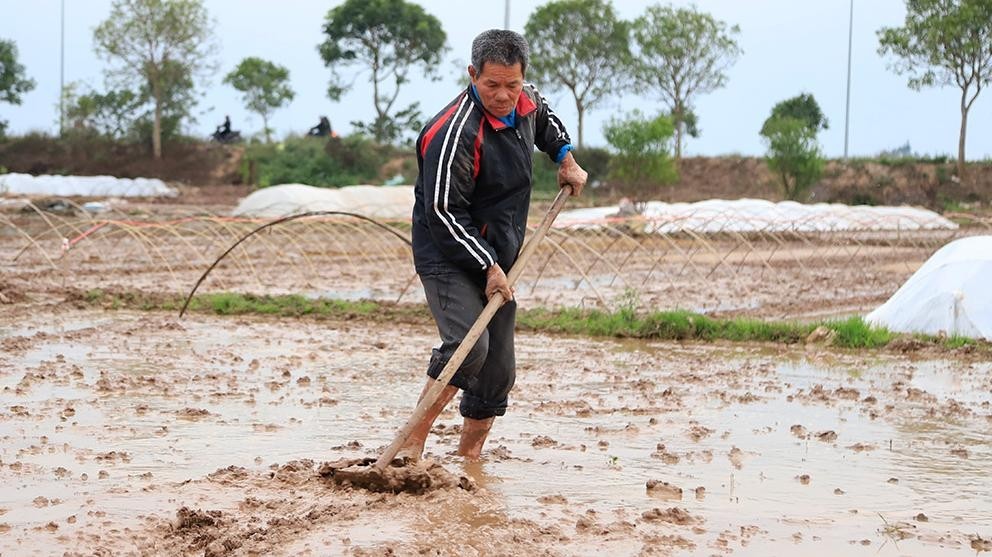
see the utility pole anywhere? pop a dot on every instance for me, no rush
(506, 16)
(847, 109)
(62, 74)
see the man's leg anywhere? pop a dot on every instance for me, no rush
(455, 302)
(488, 397)
(414, 446)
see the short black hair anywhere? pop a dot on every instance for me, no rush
(500, 46)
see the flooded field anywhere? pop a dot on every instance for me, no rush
(135, 433)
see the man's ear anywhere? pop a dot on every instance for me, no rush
(472, 73)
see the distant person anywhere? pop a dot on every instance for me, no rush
(224, 133)
(224, 130)
(322, 129)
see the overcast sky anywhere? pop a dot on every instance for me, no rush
(789, 47)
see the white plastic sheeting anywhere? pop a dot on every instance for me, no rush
(950, 293)
(86, 186)
(381, 202)
(759, 215)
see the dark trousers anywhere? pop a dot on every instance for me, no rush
(486, 376)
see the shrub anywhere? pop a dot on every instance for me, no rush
(307, 160)
(642, 159)
(793, 155)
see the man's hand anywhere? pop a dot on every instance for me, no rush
(572, 174)
(496, 282)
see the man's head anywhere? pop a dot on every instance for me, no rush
(499, 60)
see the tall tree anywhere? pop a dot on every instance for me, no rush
(802, 107)
(390, 38)
(944, 42)
(682, 53)
(581, 46)
(156, 43)
(265, 87)
(13, 81)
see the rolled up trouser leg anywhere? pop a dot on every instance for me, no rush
(487, 374)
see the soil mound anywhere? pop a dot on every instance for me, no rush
(399, 477)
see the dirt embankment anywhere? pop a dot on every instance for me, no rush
(196, 164)
(859, 181)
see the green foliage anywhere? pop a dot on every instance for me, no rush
(682, 53)
(126, 115)
(594, 160)
(161, 45)
(793, 155)
(264, 85)
(801, 107)
(580, 46)
(944, 43)
(390, 38)
(393, 128)
(642, 157)
(110, 114)
(314, 161)
(13, 81)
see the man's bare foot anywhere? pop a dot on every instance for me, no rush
(474, 434)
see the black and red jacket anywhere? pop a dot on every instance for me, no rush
(474, 185)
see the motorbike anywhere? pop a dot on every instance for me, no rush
(232, 136)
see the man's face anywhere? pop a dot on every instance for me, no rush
(499, 86)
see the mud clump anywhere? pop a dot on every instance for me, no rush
(543, 442)
(10, 294)
(663, 489)
(187, 519)
(674, 515)
(399, 477)
(827, 436)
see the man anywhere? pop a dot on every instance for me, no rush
(469, 219)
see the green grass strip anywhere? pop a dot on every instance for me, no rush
(853, 332)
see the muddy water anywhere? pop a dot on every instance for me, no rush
(110, 422)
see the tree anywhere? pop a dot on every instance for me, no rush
(581, 46)
(793, 155)
(681, 53)
(944, 42)
(111, 114)
(390, 38)
(265, 86)
(641, 143)
(13, 82)
(158, 43)
(801, 107)
(125, 114)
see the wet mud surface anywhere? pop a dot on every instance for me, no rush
(134, 433)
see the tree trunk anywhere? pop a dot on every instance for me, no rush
(265, 126)
(961, 137)
(677, 117)
(582, 115)
(157, 121)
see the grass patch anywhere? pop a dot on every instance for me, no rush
(679, 325)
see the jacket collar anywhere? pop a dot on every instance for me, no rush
(524, 107)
